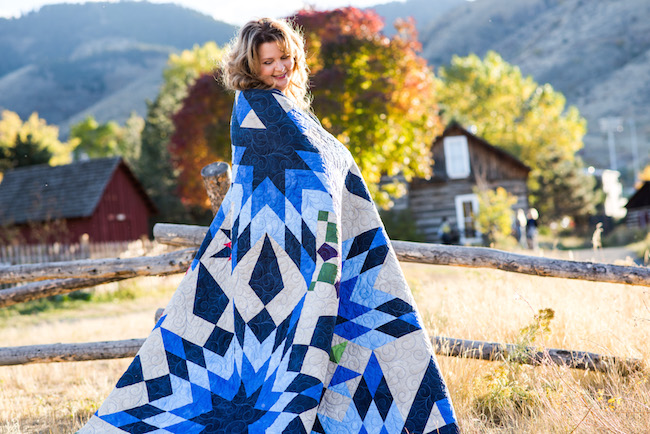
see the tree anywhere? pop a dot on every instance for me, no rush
(566, 190)
(513, 112)
(24, 152)
(31, 142)
(495, 216)
(201, 136)
(108, 139)
(374, 93)
(154, 165)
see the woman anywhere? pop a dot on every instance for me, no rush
(294, 316)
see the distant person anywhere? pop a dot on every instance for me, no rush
(444, 232)
(520, 227)
(531, 229)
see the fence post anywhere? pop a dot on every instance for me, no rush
(216, 179)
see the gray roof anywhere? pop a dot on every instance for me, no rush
(43, 192)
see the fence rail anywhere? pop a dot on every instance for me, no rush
(475, 257)
(60, 277)
(443, 346)
(58, 252)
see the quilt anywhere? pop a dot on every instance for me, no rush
(294, 316)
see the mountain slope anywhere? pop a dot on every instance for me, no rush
(596, 52)
(422, 11)
(66, 61)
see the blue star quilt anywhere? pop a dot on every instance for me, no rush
(295, 316)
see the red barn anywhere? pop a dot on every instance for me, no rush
(99, 197)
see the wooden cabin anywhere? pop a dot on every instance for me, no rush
(462, 162)
(638, 208)
(100, 198)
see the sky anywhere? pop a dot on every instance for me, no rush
(231, 11)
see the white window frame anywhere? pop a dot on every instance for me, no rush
(456, 157)
(460, 218)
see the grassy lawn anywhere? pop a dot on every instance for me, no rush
(490, 397)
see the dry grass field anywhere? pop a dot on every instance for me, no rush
(490, 397)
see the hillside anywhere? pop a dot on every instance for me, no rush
(422, 11)
(66, 61)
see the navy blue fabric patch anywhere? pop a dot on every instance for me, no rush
(210, 300)
(159, 387)
(144, 411)
(397, 328)
(322, 336)
(354, 184)
(177, 366)
(375, 257)
(138, 428)
(362, 243)
(132, 375)
(219, 341)
(428, 393)
(396, 307)
(262, 325)
(296, 358)
(266, 279)
(194, 353)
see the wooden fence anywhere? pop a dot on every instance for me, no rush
(59, 252)
(61, 277)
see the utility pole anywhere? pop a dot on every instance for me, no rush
(635, 148)
(610, 125)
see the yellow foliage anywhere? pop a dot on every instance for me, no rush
(47, 136)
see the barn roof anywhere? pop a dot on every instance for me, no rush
(42, 192)
(641, 198)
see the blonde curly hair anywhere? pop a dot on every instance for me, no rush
(240, 66)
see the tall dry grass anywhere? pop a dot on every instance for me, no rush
(490, 397)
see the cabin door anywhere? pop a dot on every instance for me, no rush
(466, 211)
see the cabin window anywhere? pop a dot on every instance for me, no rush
(456, 157)
(466, 211)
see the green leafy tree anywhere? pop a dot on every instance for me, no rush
(374, 93)
(31, 142)
(108, 139)
(529, 120)
(154, 165)
(567, 190)
(495, 215)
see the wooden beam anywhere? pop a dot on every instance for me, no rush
(168, 263)
(69, 352)
(443, 346)
(47, 288)
(532, 356)
(216, 180)
(474, 257)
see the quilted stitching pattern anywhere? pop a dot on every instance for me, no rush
(294, 316)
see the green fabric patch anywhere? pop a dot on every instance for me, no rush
(337, 352)
(330, 235)
(312, 285)
(327, 273)
(323, 216)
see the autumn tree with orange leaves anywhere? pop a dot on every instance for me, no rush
(374, 93)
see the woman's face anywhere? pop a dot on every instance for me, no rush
(275, 65)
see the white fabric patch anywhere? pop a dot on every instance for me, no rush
(252, 121)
